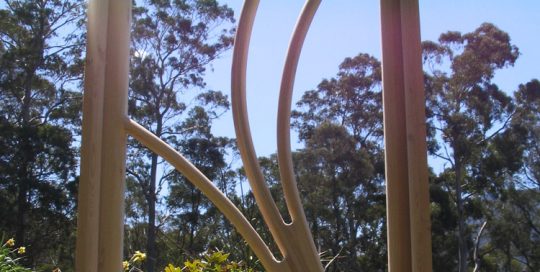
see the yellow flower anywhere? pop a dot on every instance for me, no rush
(125, 265)
(172, 268)
(21, 250)
(10, 242)
(139, 256)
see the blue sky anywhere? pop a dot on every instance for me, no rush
(347, 27)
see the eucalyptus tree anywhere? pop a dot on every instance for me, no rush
(469, 113)
(196, 222)
(173, 43)
(511, 240)
(340, 169)
(527, 120)
(514, 225)
(41, 43)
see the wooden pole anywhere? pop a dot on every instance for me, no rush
(113, 159)
(415, 112)
(408, 212)
(395, 143)
(86, 255)
(101, 195)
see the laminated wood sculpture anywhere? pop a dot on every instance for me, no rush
(106, 126)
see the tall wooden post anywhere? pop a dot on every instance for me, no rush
(408, 211)
(415, 112)
(395, 140)
(100, 225)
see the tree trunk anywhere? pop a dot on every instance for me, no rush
(151, 228)
(477, 258)
(22, 197)
(461, 235)
(194, 218)
(25, 159)
(337, 216)
(35, 59)
(315, 232)
(151, 199)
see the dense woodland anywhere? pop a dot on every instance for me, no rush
(485, 202)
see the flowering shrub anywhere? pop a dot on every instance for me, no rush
(210, 262)
(10, 256)
(132, 265)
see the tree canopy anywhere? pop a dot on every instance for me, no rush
(484, 141)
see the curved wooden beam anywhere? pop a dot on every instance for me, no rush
(264, 199)
(294, 240)
(198, 179)
(290, 189)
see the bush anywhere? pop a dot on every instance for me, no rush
(216, 261)
(10, 256)
(211, 262)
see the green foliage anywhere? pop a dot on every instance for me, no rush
(10, 257)
(340, 170)
(526, 129)
(211, 262)
(470, 118)
(41, 66)
(487, 139)
(133, 264)
(173, 42)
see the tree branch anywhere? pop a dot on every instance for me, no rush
(477, 248)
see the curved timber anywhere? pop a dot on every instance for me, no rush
(294, 240)
(106, 125)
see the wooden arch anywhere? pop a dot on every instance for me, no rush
(106, 126)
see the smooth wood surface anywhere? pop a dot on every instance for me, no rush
(416, 138)
(86, 255)
(111, 220)
(293, 240)
(408, 211)
(300, 236)
(101, 194)
(395, 143)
